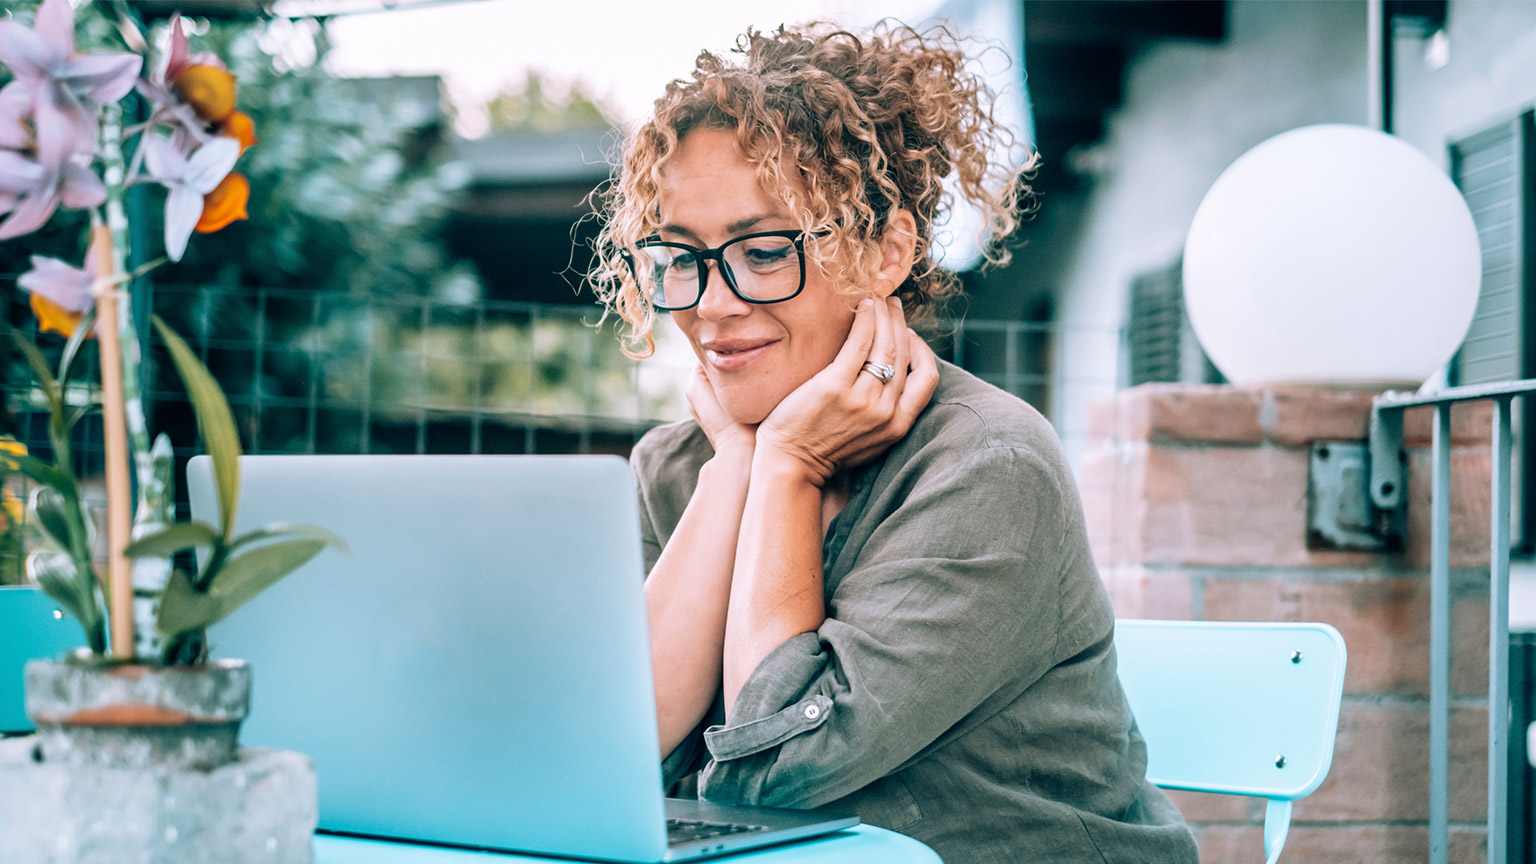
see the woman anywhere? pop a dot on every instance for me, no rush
(869, 580)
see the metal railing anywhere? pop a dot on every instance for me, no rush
(1387, 491)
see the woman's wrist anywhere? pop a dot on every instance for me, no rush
(777, 465)
(732, 464)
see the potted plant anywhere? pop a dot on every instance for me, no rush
(143, 693)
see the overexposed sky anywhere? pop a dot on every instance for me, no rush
(625, 51)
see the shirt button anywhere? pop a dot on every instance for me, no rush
(812, 712)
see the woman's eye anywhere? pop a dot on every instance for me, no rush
(765, 256)
(684, 263)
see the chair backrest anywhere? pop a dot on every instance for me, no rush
(31, 625)
(1235, 707)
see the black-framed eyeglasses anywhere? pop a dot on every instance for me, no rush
(767, 267)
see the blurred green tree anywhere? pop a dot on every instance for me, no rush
(537, 105)
(350, 182)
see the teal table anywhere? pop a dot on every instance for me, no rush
(862, 845)
(28, 628)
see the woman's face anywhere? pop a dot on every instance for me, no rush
(754, 355)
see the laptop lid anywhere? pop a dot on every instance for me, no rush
(477, 670)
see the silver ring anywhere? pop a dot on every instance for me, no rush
(883, 373)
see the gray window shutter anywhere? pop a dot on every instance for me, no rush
(1161, 346)
(1496, 172)
(1493, 169)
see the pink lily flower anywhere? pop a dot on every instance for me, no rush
(189, 178)
(31, 191)
(175, 57)
(15, 130)
(65, 286)
(63, 89)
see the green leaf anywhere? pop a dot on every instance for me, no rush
(72, 347)
(172, 539)
(282, 530)
(60, 521)
(214, 421)
(56, 574)
(76, 415)
(40, 369)
(188, 648)
(183, 608)
(38, 470)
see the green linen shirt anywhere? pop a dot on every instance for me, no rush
(962, 690)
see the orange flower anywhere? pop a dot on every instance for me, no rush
(240, 128)
(52, 316)
(208, 89)
(225, 203)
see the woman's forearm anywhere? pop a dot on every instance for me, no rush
(686, 595)
(776, 591)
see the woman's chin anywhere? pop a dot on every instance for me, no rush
(748, 409)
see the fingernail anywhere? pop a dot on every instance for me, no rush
(866, 303)
(896, 300)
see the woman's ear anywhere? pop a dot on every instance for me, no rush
(897, 247)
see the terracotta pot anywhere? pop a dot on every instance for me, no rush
(138, 716)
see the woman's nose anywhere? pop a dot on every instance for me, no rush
(718, 300)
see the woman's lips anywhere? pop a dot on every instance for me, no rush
(730, 358)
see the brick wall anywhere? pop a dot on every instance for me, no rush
(1196, 499)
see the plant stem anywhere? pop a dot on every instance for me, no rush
(122, 406)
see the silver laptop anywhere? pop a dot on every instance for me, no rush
(476, 671)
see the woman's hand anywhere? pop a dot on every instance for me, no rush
(730, 439)
(845, 416)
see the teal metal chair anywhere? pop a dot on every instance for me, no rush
(1236, 708)
(31, 625)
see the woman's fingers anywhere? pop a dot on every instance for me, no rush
(902, 351)
(909, 401)
(703, 403)
(880, 351)
(891, 353)
(848, 415)
(921, 382)
(856, 348)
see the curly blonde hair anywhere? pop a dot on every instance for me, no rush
(843, 130)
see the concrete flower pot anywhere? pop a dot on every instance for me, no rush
(135, 716)
(142, 763)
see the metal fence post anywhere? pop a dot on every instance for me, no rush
(1439, 634)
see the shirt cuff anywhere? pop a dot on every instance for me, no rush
(682, 761)
(773, 705)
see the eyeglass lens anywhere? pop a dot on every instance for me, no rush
(760, 269)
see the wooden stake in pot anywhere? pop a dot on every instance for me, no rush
(115, 434)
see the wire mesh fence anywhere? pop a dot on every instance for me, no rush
(308, 372)
(322, 373)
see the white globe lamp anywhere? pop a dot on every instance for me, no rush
(1335, 256)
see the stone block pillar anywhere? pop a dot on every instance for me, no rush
(1196, 499)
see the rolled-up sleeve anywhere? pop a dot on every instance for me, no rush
(684, 759)
(954, 595)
